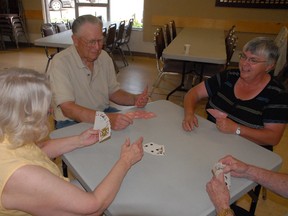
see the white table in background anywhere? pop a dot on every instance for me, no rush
(60, 40)
(207, 46)
(168, 185)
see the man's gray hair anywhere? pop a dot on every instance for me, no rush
(81, 20)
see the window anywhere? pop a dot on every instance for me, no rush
(109, 10)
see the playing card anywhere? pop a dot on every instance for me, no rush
(217, 169)
(102, 124)
(154, 148)
(217, 114)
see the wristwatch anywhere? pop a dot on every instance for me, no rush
(238, 130)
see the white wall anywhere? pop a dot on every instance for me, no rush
(137, 44)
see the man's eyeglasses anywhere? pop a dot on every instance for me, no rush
(91, 43)
(252, 61)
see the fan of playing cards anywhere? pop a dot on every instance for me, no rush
(217, 169)
(102, 124)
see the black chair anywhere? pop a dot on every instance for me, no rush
(167, 34)
(110, 43)
(46, 30)
(69, 24)
(2, 42)
(165, 66)
(61, 27)
(173, 29)
(12, 25)
(127, 36)
(207, 70)
(118, 41)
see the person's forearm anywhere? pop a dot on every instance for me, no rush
(109, 187)
(190, 102)
(56, 147)
(78, 113)
(261, 136)
(276, 182)
(122, 97)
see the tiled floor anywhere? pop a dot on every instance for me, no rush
(141, 72)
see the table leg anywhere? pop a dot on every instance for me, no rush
(181, 87)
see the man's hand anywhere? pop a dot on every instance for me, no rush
(119, 121)
(142, 99)
(236, 167)
(218, 192)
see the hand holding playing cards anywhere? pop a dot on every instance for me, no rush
(189, 122)
(218, 192)
(88, 137)
(142, 99)
(132, 153)
(236, 167)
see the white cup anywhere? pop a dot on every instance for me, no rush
(187, 48)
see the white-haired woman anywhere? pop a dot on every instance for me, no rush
(255, 102)
(30, 183)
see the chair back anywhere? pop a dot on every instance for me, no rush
(173, 29)
(61, 27)
(231, 41)
(281, 41)
(104, 32)
(128, 31)
(120, 32)
(159, 43)
(167, 34)
(110, 39)
(231, 32)
(69, 24)
(47, 29)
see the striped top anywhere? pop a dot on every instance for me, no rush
(269, 106)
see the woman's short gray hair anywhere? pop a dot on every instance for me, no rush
(25, 98)
(263, 46)
(81, 20)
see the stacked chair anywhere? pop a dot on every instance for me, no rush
(12, 25)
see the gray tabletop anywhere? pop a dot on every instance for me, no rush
(173, 184)
(207, 46)
(59, 40)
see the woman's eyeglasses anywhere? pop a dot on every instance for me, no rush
(252, 61)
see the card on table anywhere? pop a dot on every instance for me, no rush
(102, 124)
(217, 169)
(154, 148)
(217, 114)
